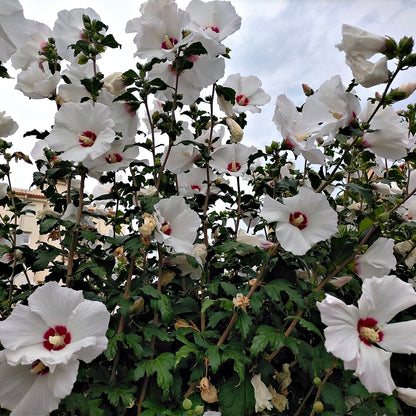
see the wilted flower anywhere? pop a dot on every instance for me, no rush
(148, 226)
(262, 394)
(208, 390)
(7, 125)
(241, 301)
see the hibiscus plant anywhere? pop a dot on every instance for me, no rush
(180, 269)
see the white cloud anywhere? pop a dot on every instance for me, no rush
(283, 42)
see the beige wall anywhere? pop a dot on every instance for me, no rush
(28, 224)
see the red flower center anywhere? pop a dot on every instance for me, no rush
(368, 331)
(39, 368)
(234, 166)
(165, 228)
(169, 43)
(87, 138)
(113, 158)
(56, 338)
(213, 28)
(297, 219)
(196, 187)
(242, 100)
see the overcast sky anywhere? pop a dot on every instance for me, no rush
(283, 42)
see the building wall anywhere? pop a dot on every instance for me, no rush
(28, 224)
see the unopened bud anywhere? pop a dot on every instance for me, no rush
(307, 90)
(187, 404)
(318, 407)
(235, 130)
(408, 88)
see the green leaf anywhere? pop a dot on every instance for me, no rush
(161, 365)
(47, 225)
(150, 330)
(151, 291)
(165, 309)
(236, 353)
(308, 325)
(365, 191)
(358, 390)
(134, 341)
(118, 393)
(267, 335)
(213, 352)
(332, 395)
(237, 397)
(244, 324)
(391, 403)
(184, 352)
(274, 288)
(44, 257)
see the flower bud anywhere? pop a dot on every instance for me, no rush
(318, 407)
(408, 89)
(235, 130)
(114, 83)
(307, 90)
(199, 410)
(187, 404)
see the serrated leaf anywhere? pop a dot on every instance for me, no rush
(332, 395)
(243, 323)
(308, 325)
(134, 341)
(236, 397)
(184, 352)
(213, 352)
(44, 257)
(267, 335)
(161, 365)
(391, 404)
(165, 309)
(150, 331)
(274, 288)
(151, 291)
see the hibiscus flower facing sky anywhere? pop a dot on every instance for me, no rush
(82, 131)
(302, 220)
(361, 335)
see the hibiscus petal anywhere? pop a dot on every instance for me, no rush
(384, 297)
(373, 370)
(15, 381)
(292, 239)
(23, 327)
(399, 337)
(341, 336)
(54, 303)
(61, 381)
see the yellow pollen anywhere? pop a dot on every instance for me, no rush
(56, 340)
(168, 43)
(242, 100)
(38, 368)
(164, 228)
(186, 154)
(88, 141)
(337, 116)
(370, 334)
(297, 221)
(301, 137)
(234, 166)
